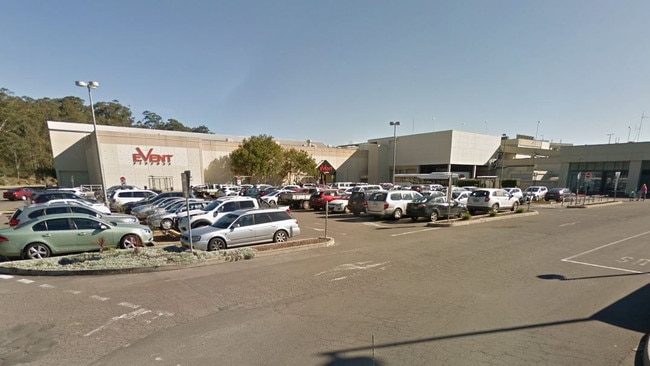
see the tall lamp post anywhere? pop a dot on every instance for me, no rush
(94, 85)
(394, 124)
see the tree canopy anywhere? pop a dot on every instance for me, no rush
(25, 148)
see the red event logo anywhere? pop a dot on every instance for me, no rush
(140, 157)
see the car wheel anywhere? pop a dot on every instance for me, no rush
(166, 224)
(515, 205)
(36, 251)
(216, 244)
(414, 218)
(130, 241)
(306, 205)
(280, 236)
(433, 217)
(273, 203)
(346, 210)
(397, 214)
(495, 207)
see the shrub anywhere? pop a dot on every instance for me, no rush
(466, 216)
(520, 209)
(492, 213)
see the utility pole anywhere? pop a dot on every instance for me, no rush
(638, 132)
(610, 138)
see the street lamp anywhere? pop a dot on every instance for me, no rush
(94, 85)
(394, 124)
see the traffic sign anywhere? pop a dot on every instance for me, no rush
(587, 176)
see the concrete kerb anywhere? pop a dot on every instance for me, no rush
(262, 251)
(482, 219)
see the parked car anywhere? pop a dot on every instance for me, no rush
(143, 211)
(516, 192)
(31, 212)
(319, 200)
(487, 199)
(358, 201)
(45, 196)
(390, 203)
(272, 198)
(535, 193)
(122, 196)
(69, 233)
(558, 194)
(434, 207)
(217, 208)
(244, 227)
(92, 203)
(339, 205)
(169, 218)
(128, 206)
(18, 194)
(461, 196)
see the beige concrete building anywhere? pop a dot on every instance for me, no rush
(156, 158)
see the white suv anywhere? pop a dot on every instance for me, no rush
(487, 199)
(390, 203)
(536, 193)
(212, 212)
(122, 196)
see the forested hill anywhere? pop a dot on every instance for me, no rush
(25, 149)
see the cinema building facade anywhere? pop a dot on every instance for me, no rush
(156, 158)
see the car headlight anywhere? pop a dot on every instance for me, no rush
(196, 238)
(146, 231)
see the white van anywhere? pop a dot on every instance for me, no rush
(342, 185)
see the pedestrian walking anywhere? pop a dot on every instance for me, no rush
(644, 191)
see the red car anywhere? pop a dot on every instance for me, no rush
(16, 194)
(318, 200)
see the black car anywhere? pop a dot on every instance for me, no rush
(357, 202)
(45, 196)
(558, 194)
(129, 206)
(434, 207)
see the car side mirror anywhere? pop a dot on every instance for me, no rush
(103, 227)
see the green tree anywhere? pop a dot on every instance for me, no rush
(150, 120)
(295, 163)
(259, 157)
(113, 114)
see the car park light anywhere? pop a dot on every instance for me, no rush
(385, 206)
(14, 222)
(3, 239)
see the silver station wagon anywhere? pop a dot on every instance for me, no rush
(244, 227)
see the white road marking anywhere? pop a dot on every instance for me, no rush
(127, 316)
(25, 281)
(605, 246)
(95, 297)
(318, 229)
(45, 285)
(374, 224)
(352, 266)
(74, 292)
(414, 232)
(570, 223)
(338, 278)
(129, 305)
(6, 277)
(570, 259)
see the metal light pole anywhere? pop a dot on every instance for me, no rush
(394, 124)
(94, 85)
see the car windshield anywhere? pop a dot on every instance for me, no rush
(225, 221)
(214, 204)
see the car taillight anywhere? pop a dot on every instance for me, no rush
(3, 239)
(14, 222)
(422, 205)
(385, 206)
(365, 203)
(487, 198)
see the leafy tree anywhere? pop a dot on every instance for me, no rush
(150, 120)
(201, 129)
(113, 114)
(297, 162)
(259, 157)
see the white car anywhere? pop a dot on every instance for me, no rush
(491, 199)
(272, 198)
(212, 212)
(390, 203)
(461, 196)
(339, 205)
(99, 206)
(516, 192)
(536, 193)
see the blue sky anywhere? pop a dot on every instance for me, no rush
(339, 71)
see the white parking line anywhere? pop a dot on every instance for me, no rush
(570, 223)
(414, 232)
(129, 305)
(374, 224)
(127, 316)
(95, 297)
(45, 285)
(25, 281)
(6, 277)
(570, 259)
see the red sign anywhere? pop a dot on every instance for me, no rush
(150, 157)
(587, 176)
